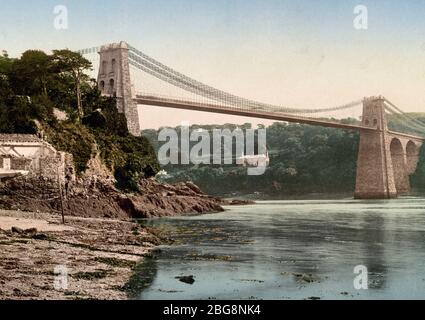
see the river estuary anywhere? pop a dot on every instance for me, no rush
(293, 250)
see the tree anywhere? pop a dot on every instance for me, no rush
(73, 64)
(5, 66)
(16, 116)
(30, 74)
(5, 63)
(418, 178)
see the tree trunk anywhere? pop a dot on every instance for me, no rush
(43, 83)
(79, 104)
(45, 89)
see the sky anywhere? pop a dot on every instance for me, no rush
(298, 53)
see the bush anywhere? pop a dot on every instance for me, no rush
(139, 161)
(75, 139)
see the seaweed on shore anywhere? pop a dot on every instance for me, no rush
(143, 276)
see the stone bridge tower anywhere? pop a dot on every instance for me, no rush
(114, 80)
(385, 159)
(375, 176)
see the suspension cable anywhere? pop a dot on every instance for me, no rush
(418, 122)
(217, 94)
(409, 124)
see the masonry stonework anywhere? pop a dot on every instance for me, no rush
(114, 80)
(385, 159)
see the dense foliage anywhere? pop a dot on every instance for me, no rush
(418, 178)
(36, 84)
(303, 160)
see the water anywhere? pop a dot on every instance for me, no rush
(261, 251)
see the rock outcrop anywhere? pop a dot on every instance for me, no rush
(100, 198)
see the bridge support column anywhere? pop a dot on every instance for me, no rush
(114, 80)
(375, 174)
(400, 168)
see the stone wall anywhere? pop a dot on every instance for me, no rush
(51, 167)
(59, 167)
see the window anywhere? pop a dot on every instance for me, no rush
(104, 67)
(111, 86)
(113, 65)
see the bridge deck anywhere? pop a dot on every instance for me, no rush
(213, 108)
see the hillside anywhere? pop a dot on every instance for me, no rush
(304, 160)
(34, 87)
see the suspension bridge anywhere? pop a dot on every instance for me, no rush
(386, 157)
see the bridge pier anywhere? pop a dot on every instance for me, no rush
(399, 161)
(375, 175)
(114, 80)
(385, 159)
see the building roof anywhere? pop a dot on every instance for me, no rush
(4, 137)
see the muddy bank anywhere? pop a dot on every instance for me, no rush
(87, 258)
(92, 198)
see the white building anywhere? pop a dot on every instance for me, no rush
(22, 154)
(261, 160)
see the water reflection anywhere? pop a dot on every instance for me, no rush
(294, 250)
(372, 236)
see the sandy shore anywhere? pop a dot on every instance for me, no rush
(85, 259)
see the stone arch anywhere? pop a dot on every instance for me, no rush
(412, 156)
(398, 157)
(102, 85)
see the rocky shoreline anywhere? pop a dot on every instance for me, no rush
(100, 199)
(99, 247)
